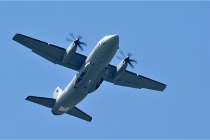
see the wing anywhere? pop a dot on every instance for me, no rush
(50, 52)
(79, 114)
(130, 79)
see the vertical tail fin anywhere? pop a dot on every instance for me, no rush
(57, 92)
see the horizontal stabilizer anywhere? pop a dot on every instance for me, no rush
(48, 102)
(79, 114)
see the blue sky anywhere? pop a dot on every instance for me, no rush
(170, 40)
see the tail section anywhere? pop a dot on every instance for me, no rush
(57, 92)
(48, 102)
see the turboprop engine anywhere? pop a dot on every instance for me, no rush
(73, 47)
(121, 67)
(69, 52)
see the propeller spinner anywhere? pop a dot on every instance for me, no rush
(127, 59)
(77, 41)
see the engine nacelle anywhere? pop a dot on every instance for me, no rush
(121, 67)
(69, 52)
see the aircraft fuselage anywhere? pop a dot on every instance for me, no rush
(90, 75)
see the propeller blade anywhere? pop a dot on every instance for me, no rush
(72, 35)
(132, 60)
(79, 37)
(131, 64)
(77, 41)
(129, 54)
(127, 59)
(83, 43)
(80, 47)
(69, 39)
(122, 53)
(119, 57)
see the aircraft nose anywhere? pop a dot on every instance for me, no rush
(114, 39)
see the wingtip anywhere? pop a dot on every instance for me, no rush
(164, 87)
(15, 36)
(90, 119)
(27, 98)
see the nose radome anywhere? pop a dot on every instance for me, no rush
(114, 38)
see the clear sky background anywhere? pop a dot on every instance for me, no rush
(170, 41)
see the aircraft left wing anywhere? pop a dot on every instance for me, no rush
(50, 52)
(133, 80)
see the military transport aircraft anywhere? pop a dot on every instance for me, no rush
(91, 72)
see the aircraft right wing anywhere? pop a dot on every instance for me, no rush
(50, 52)
(133, 80)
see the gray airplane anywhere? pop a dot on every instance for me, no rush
(91, 72)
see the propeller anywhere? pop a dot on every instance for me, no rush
(127, 59)
(77, 41)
